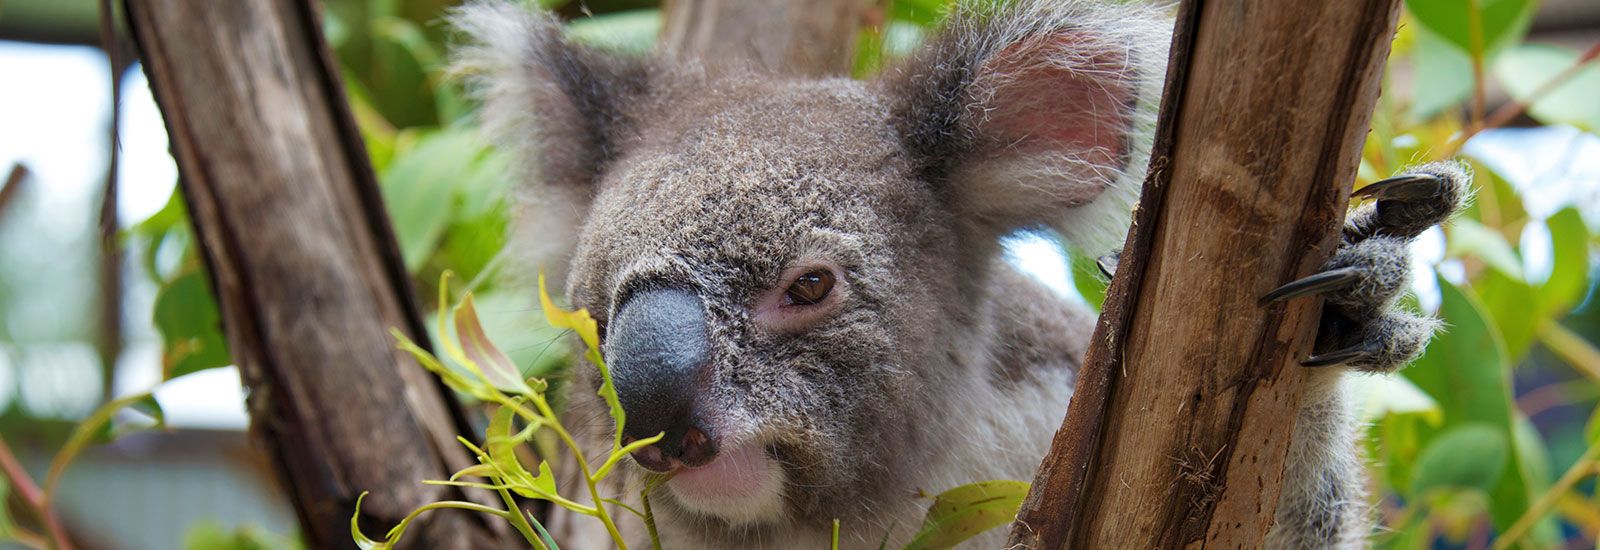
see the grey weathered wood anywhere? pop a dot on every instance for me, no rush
(1180, 423)
(799, 37)
(304, 266)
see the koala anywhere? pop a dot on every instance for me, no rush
(800, 282)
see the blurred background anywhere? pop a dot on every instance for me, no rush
(103, 294)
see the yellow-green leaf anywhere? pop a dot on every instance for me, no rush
(496, 367)
(580, 322)
(963, 512)
(362, 541)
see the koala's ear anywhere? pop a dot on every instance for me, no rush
(562, 110)
(1040, 114)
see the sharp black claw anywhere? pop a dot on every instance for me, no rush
(1407, 187)
(1108, 264)
(1321, 282)
(1338, 357)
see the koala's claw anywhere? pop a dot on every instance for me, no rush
(1354, 354)
(1407, 187)
(1315, 284)
(1361, 328)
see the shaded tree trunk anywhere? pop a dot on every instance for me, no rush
(1178, 431)
(305, 267)
(799, 37)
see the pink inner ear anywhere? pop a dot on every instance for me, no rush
(1058, 94)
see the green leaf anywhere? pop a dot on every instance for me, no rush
(1534, 458)
(1443, 75)
(496, 367)
(580, 322)
(1527, 68)
(1591, 431)
(1508, 302)
(1087, 279)
(210, 535)
(920, 12)
(6, 525)
(1465, 369)
(501, 446)
(963, 512)
(629, 32)
(1501, 22)
(191, 328)
(1497, 204)
(1469, 238)
(530, 342)
(82, 435)
(418, 191)
(1395, 395)
(1569, 274)
(1468, 456)
(361, 539)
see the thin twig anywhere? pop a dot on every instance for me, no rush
(1475, 37)
(109, 345)
(33, 497)
(1516, 107)
(1579, 470)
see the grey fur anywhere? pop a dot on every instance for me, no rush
(941, 365)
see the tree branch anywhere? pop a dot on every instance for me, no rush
(1180, 423)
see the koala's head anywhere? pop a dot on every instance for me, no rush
(787, 273)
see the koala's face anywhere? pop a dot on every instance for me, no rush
(789, 275)
(758, 286)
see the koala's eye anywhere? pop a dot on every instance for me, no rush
(809, 288)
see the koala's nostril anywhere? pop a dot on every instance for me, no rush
(698, 448)
(692, 447)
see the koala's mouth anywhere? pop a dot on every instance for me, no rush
(743, 485)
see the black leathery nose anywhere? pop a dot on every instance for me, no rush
(658, 348)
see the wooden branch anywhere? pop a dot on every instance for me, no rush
(305, 267)
(797, 37)
(1180, 423)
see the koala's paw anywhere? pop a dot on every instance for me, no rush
(1361, 327)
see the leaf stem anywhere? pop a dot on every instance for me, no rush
(1579, 470)
(583, 463)
(1475, 36)
(520, 520)
(1514, 108)
(35, 498)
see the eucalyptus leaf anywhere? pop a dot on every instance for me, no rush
(1466, 370)
(1444, 462)
(1443, 75)
(496, 366)
(1526, 69)
(191, 327)
(966, 511)
(1470, 238)
(1499, 22)
(423, 189)
(1569, 274)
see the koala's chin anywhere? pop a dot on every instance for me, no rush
(742, 487)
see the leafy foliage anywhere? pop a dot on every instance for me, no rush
(477, 368)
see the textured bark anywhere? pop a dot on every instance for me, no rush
(798, 37)
(1178, 429)
(305, 267)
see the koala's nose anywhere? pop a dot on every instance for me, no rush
(658, 353)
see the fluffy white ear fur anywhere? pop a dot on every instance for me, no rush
(558, 108)
(1056, 115)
